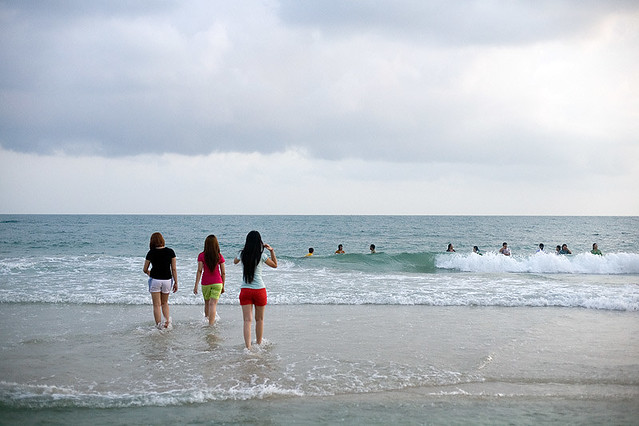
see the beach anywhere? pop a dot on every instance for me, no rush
(411, 364)
(408, 335)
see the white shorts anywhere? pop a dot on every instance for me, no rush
(156, 286)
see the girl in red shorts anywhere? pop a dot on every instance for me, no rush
(253, 291)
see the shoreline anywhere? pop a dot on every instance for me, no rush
(320, 363)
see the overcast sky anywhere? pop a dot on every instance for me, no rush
(320, 107)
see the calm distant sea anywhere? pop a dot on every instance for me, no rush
(98, 259)
(408, 335)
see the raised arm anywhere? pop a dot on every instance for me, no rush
(271, 261)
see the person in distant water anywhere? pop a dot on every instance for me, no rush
(450, 248)
(311, 250)
(564, 249)
(340, 249)
(210, 268)
(372, 248)
(162, 277)
(558, 250)
(476, 250)
(595, 250)
(253, 291)
(504, 249)
(541, 248)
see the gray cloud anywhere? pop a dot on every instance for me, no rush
(371, 80)
(467, 22)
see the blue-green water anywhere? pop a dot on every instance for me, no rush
(409, 334)
(98, 259)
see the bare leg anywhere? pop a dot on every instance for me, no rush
(259, 323)
(206, 308)
(165, 308)
(212, 304)
(157, 307)
(247, 313)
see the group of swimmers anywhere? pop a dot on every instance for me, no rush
(340, 250)
(160, 266)
(505, 250)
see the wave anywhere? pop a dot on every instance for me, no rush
(327, 378)
(46, 396)
(429, 262)
(401, 262)
(608, 282)
(542, 263)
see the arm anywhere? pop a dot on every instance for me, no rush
(223, 274)
(174, 271)
(272, 261)
(146, 267)
(198, 276)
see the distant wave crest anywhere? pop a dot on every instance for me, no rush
(542, 263)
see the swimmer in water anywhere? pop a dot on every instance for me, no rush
(504, 249)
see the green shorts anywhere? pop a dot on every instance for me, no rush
(212, 291)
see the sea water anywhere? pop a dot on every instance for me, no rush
(410, 333)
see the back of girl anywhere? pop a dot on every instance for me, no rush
(210, 269)
(162, 277)
(253, 291)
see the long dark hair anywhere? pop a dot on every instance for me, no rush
(211, 252)
(251, 255)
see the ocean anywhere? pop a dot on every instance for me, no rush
(410, 334)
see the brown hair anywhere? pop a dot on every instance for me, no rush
(211, 252)
(157, 240)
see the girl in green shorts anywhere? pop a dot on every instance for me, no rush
(210, 268)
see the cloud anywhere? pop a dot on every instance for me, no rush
(292, 182)
(533, 85)
(462, 23)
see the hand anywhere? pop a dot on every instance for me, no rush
(267, 247)
(195, 290)
(222, 288)
(175, 287)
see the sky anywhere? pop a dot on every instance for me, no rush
(319, 107)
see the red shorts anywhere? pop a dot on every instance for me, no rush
(252, 296)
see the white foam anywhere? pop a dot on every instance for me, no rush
(542, 263)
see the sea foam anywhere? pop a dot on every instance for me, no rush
(542, 263)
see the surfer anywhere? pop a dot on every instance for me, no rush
(311, 250)
(450, 248)
(340, 249)
(476, 250)
(541, 248)
(372, 248)
(595, 250)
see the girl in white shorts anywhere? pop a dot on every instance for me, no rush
(162, 277)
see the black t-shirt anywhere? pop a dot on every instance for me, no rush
(160, 263)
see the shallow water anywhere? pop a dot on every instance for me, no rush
(355, 361)
(410, 334)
